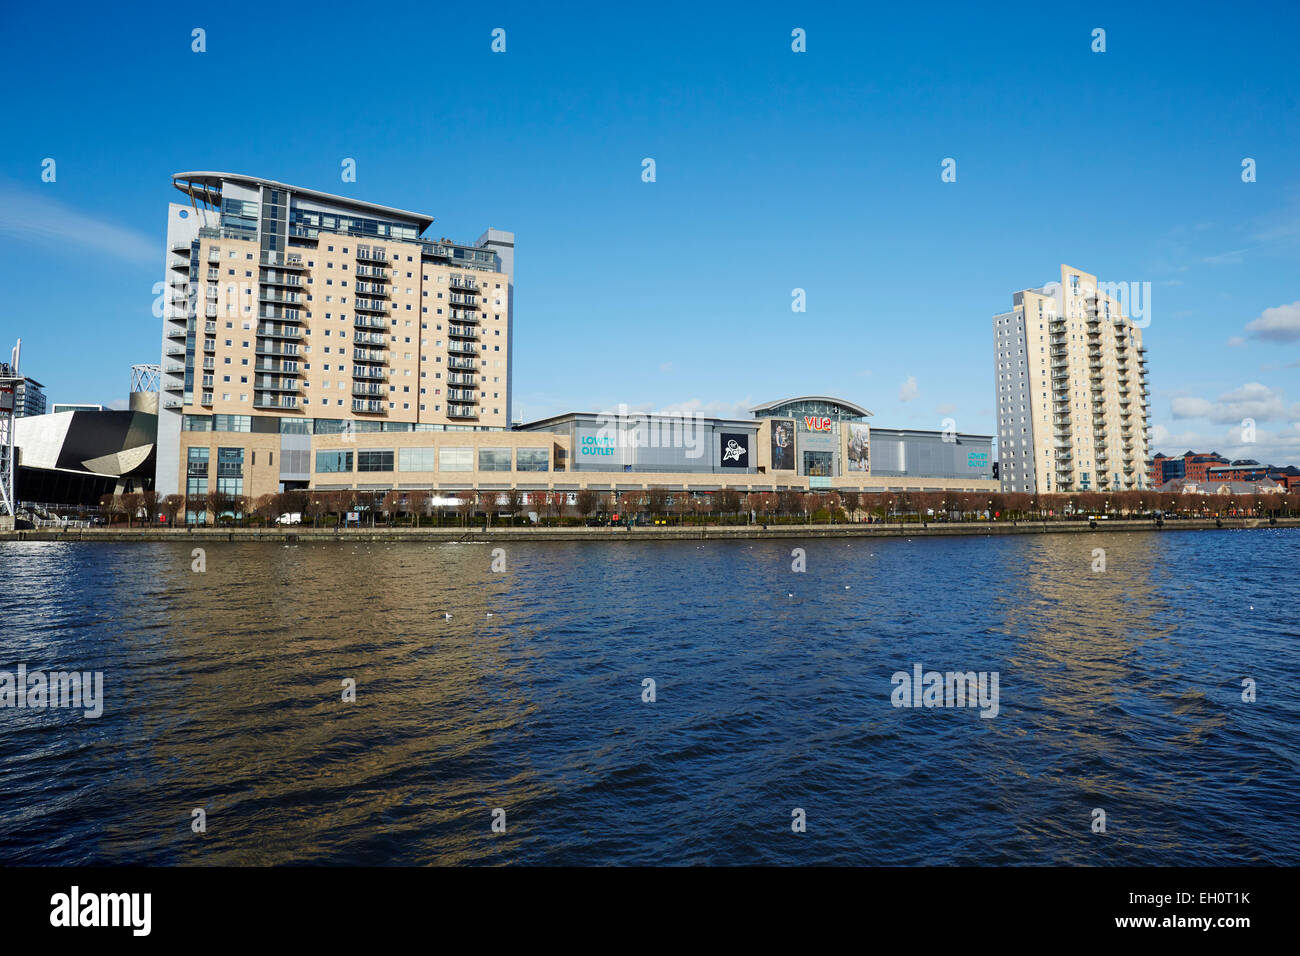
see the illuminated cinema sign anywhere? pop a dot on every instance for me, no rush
(814, 424)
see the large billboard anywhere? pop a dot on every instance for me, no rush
(733, 449)
(782, 444)
(859, 448)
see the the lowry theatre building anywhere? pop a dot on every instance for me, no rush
(319, 342)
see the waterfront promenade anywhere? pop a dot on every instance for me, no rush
(647, 532)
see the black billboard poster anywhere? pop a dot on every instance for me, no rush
(734, 450)
(782, 445)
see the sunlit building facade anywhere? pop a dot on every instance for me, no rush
(1073, 405)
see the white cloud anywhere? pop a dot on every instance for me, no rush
(1277, 447)
(1278, 324)
(30, 216)
(947, 408)
(908, 390)
(1252, 400)
(1236, 342)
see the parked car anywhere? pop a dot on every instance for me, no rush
(287, 518)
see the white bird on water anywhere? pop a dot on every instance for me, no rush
(447, 615)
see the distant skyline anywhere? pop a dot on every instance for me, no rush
(774, 171)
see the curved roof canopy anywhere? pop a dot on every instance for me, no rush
(205, 186)
(837, 406)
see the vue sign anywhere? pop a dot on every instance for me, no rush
(816, 424)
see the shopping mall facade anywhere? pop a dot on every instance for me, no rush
(316, 341)
(809, 443)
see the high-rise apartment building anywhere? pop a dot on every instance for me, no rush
(29, 399)
(290, 313)
(1072, 397)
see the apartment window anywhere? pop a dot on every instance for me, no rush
(416, 459)
(332, 462)
(494, 459)
(230, 464)
(455, 459)
(532, 459)
(375, 460)
(197, 463)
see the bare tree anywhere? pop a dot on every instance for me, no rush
(217, 502)
(587, 501)
(131, 505)
(728, 501)
(656, 500)
(514, 503)
(468, 505)
(149, 502)
(172, 505)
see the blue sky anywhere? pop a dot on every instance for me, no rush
(775, 170)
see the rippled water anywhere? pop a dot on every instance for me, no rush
(1119, 690)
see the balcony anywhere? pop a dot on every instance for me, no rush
(273, 296)
(461, 378)
(468, 301)
(182, 247)
(462, 411)
(464, 282)
(462, 348)
(367, 406)
(369, 322)
(369, 371)
(209, 345)
(270, 277)
(370, 305)
(176, 332)
(279, 332)
(362, 388)
(369, 355)
(279, 366)
(276, 384)
(371, 254)
(369, 338)
(277, 348)
(280, 260)
(461, 395)
(275, 401)
(462, 331)
(371, 272)
(460, 363)
(371, 288)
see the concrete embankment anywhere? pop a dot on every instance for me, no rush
(647, 533)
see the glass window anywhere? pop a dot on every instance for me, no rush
(375, 459)
(230, 462)
(333, 461)
(232, 423)
(455, 459)
(416, 459)
(532, 459)
(494, 459)
(196, 423)
(198, 463)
